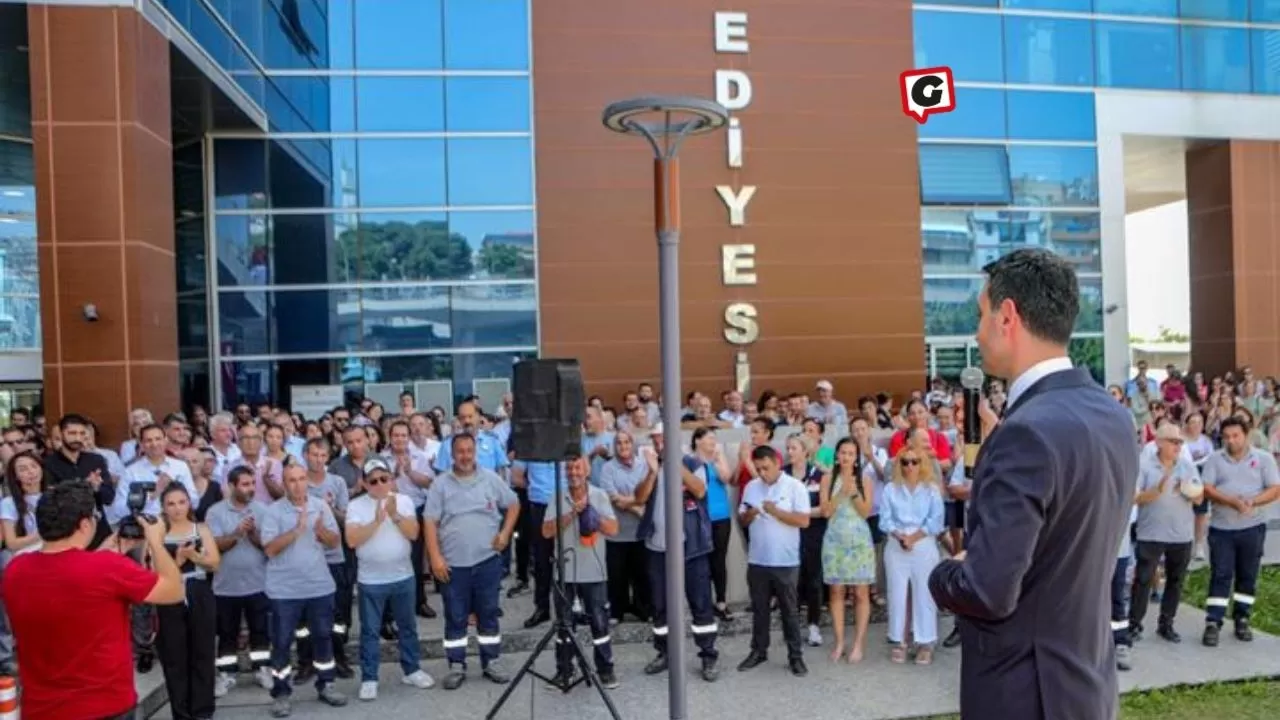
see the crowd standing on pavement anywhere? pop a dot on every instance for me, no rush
(276, 533)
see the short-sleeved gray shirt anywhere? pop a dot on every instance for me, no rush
(468, 512)
(243, 570)
(1252, 474)
(300, 571)
(1171, 517)
(583, 563)
(619, 479)
(337, 487)
(348, 471)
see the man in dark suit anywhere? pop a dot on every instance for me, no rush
(1052, 489)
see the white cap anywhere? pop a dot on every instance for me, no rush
(825, 385)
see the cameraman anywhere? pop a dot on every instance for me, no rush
(145, 478)
(69, 607)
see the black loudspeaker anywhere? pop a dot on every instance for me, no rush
(548, 404)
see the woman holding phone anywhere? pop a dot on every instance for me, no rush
(848, 552)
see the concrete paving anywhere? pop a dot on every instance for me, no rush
(874, 690)
(877, 689)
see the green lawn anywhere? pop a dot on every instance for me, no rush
(1254, 700)
(1266, 615)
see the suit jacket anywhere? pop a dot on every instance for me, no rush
(1052, 489)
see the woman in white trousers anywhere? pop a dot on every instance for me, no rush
(911, 516)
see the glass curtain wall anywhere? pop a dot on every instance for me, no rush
(383, 232)
(1016, 164)
(19, 268)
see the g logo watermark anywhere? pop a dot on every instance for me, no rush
(927, 91)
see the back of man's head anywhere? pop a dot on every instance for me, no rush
(62, 507)
(1042, 286)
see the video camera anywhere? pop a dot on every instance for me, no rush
(136, 502)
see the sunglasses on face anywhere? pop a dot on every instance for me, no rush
(909, 462)
(377, 480)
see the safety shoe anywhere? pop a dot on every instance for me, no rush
(1124, 660)
(1211, 634)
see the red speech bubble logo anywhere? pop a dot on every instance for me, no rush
(927, 91)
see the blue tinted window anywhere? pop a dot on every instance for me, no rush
(246, 19)
(967, 3)
(399, 34)
(1215, 59)
(956, 241)
(979, 114)
(964, 175)
(490, 35)
(437, 246)
(295, 36)
(503, 242)
(1216, 9)
(1265, 10)
(1044, 115)
(342, 102)
(1046, 51)
(342, 28)
(239, 174)
(951, 305)
(404, 104)
(487, 104)
(264, 322)
(490, 171)
(402, 171)
(1057, 176)
(1137, 55)
(406, 318)
(305, 103)
(1154, 8)
(1074, 5)
(969, 44)
(1266, 61)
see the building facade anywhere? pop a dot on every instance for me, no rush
(207, 201)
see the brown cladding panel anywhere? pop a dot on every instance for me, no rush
(835, 219)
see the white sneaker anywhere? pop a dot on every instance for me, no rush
(815, 636)
(263, 676)
(223, 684)
(419, 679)
(369, 690)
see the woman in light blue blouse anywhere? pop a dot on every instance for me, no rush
(707, 461)
(911, 516)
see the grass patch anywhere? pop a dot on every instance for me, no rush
(1266, 611)
(1252, 700)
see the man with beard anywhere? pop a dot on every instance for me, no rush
(239, 586)
(73, 461)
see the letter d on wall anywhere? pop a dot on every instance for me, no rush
(741, 327)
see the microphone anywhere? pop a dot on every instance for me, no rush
(971, 379)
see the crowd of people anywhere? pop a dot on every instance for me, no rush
(255, 539)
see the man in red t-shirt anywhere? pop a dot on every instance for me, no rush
(69, 609)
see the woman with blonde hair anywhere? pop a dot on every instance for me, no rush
(799, 452)
(911, 516)
(848, 551)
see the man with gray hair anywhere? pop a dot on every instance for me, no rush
(222, 436)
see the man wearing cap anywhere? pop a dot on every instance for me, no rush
(296, 532)
(1238, 480)
(586, 518)
(470, 515)
(826, 408)
(381, 527)
(332, 491)
(1168, 488)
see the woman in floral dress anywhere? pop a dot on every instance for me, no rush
(848, 554)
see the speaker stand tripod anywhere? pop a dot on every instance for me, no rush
(561, 631)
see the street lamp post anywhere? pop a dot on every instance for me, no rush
(665, 122)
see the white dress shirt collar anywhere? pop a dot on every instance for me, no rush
(1034, 374)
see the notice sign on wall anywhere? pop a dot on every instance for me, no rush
(313, 401)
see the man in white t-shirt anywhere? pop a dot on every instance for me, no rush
(381, 526)
(775, 506)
